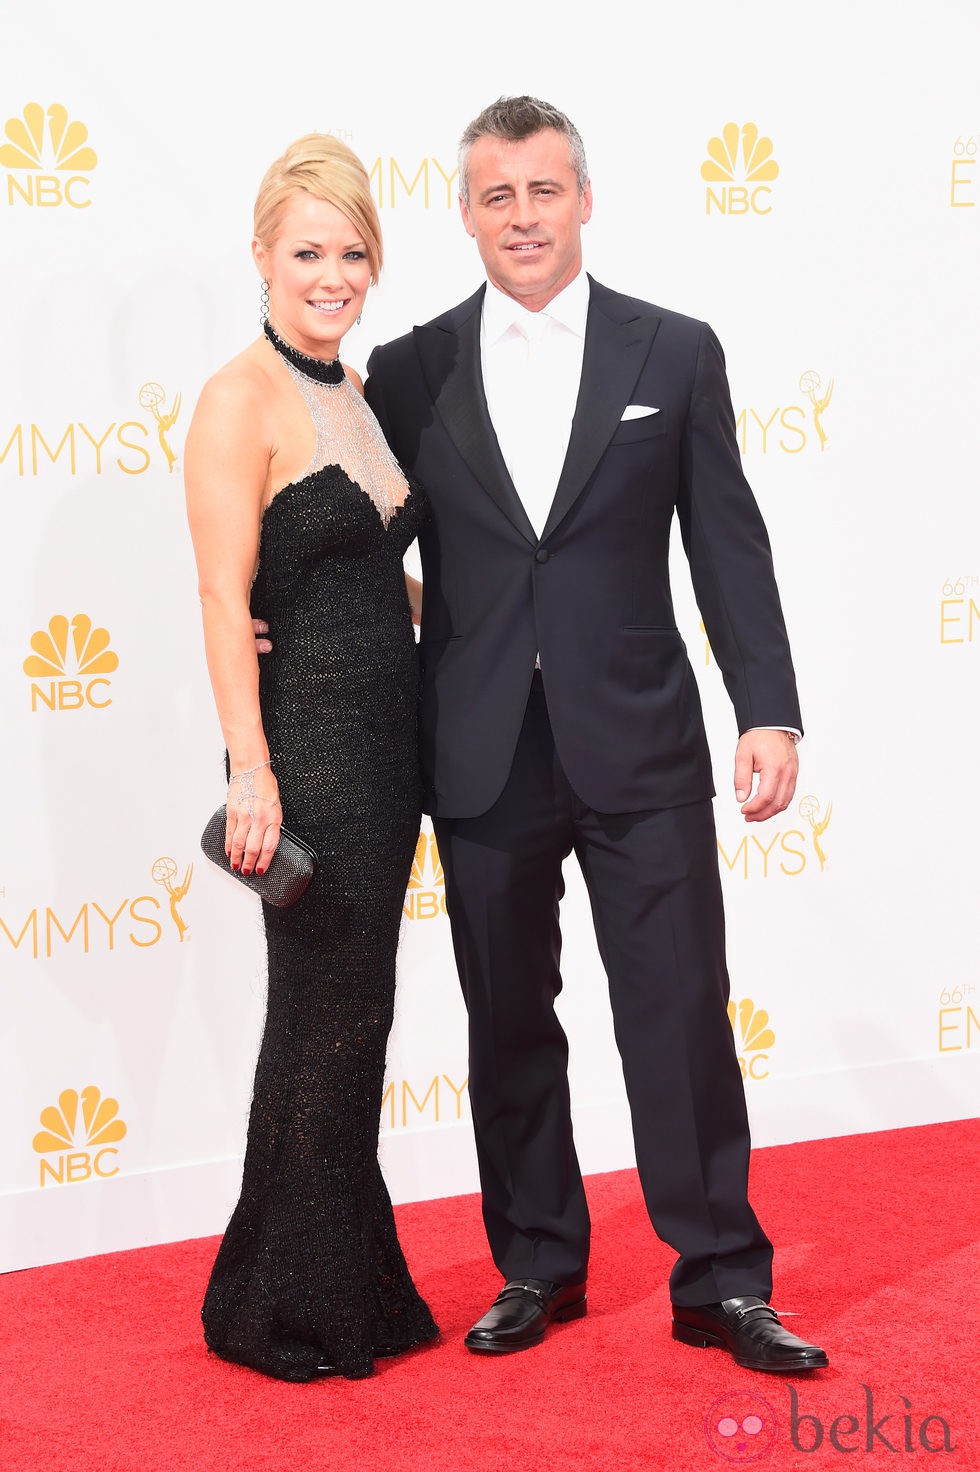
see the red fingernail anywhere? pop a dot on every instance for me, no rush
(260, 871)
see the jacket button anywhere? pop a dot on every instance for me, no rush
(542, 554)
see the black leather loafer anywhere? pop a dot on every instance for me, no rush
(521, 1313)
(751, 1332)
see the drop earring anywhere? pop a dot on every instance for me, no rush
(358, 319)
(264, 303)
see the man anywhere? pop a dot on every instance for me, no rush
(557, 428)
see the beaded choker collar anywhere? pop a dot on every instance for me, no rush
(316, 368)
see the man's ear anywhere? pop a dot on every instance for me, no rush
(465, 212)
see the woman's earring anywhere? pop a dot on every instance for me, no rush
(358, 319)
(264, 303)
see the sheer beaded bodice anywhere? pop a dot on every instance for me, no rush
(347, 433)
(310, 1271)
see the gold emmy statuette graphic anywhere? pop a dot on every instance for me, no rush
(151, 397)
(25, 150)
(753, 1025)
(809, 809)
(99, 1124)
(722, 165)
(164, 872)
(92, 655)
(810, 385)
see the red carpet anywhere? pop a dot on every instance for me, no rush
(104, 1370)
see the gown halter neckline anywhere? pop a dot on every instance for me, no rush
(319, 369)
(347, 433)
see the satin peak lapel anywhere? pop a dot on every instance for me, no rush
(616, 347)
(450, 359)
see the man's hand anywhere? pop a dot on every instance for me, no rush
(263, 644)
(773, 755)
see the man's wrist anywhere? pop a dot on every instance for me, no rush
(789, 730)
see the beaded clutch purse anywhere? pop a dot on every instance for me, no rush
(288, 875)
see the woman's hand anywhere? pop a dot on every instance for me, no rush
(254, 818)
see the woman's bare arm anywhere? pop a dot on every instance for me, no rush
(226, 477)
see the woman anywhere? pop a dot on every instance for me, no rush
(300, 515)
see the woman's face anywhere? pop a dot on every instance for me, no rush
(318, 274)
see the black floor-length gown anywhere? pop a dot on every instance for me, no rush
(310, 1271)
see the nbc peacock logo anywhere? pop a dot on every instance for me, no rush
(753, 1037)
(78, 1138)
(49, 157)
(71, 660)
(740, 163)
(425, 898)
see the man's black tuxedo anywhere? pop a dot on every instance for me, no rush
(592, 595)
(603, 753)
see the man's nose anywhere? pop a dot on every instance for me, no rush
(524, 215)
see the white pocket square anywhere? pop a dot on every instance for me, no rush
(638, 411)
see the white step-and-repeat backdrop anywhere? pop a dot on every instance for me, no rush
(806, 180)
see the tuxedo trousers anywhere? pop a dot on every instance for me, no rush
(655, 892)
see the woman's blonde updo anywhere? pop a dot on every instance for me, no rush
(321, 165)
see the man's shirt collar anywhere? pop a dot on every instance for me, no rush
(569, 308)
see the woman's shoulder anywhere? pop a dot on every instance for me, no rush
(241, 384)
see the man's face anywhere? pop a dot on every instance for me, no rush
(526, 215)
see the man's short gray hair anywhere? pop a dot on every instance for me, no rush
(514, 119)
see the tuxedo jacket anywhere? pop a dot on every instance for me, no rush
(591, 596)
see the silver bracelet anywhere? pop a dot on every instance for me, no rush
(246, 791)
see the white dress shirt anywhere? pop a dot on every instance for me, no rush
(532, 367)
